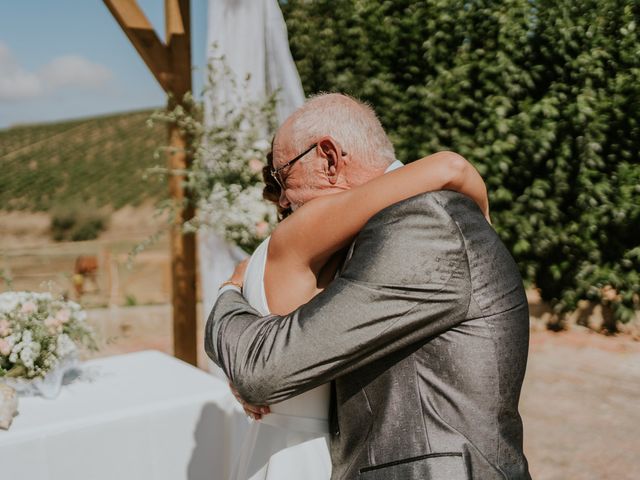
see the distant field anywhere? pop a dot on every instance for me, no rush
(95, 162)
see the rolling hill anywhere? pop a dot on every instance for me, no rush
(95, 162)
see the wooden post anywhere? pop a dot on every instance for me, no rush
(170, 63)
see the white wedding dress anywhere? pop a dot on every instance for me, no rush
(290, 443)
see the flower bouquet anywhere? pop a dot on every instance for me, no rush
(39, 340)
(225, 177)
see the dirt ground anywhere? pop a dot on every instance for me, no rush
(580, 406)
(579, 401)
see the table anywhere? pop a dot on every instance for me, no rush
(139, 416)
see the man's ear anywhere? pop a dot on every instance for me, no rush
(332, 154)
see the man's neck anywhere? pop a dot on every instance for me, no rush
(365, 175)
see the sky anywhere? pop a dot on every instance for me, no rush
(63, 59)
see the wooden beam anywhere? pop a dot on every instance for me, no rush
(142, 35)
(175, 21)
(171, 65)
(178, 35)
(183, 256)
(183, 245)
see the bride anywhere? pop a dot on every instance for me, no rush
(289, 439)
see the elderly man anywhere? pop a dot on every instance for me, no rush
(423, 334)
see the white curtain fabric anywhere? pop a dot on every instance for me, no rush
(252, 35)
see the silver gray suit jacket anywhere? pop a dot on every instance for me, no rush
(424, 335)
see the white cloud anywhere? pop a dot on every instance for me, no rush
(74, 71)
(16, 83)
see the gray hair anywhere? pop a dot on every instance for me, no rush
(352, 123)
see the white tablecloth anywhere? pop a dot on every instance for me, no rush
(138, 416)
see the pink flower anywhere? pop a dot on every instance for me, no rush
(5, 347)
(53, 324)
(262, 228)
(255, 165)
(29, 307)
(4, 328)
(63, 315)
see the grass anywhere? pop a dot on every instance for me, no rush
(95, 162)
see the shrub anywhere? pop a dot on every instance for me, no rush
(542, 96)
(76, 224)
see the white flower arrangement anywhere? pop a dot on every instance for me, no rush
(37, 332)
(225, 176)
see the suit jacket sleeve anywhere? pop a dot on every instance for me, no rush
(407, 280)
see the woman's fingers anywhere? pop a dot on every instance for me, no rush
(238, 274)
(253, 411)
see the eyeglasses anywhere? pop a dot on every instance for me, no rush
(276, 173)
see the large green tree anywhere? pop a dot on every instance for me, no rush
(542, 96)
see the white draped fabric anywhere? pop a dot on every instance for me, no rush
(252, 36)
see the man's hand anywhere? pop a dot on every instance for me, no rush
(252, 411)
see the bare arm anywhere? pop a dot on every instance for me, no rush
(327, 224)
(407, 280)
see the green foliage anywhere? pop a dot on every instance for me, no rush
(131, 301)
(76, 224)
(99, 160)
(543, 96)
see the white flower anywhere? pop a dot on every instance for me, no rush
(16, 346)
(261, 145)
(73, 306)
(50, 360)
(23, 344)
(13, 338)
(10, 300)
(29, 354)
(65, 346)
